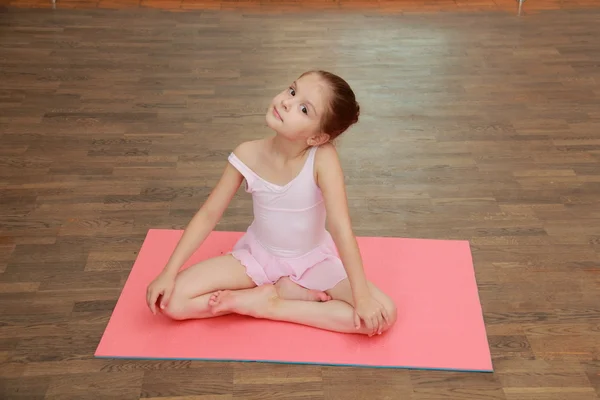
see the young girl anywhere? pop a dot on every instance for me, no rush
(286, 266)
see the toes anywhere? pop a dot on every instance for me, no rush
(324, 296)
(316, 295)
(214, 298)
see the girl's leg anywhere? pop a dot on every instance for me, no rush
(335, 315)
(286, 289)
(194, 286)
(343, 291)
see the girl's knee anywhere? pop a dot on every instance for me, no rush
(391, 310)
(388, 304)
(174, 309)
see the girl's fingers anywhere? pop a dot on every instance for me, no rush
(369, 323)
(388, 319)
(166, 297)
(153, 299)
(148, 300)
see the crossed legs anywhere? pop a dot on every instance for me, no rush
(195, 286)
(220, 286)
(335, 315)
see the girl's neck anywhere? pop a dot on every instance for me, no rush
(287, 149)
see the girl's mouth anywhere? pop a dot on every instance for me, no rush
(276, 113)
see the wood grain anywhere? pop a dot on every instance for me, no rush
(474, 126)
(295, 6)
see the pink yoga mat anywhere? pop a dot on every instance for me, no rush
(440, 323)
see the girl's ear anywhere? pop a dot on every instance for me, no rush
(318, 139)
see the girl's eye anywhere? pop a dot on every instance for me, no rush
(292, 92)
(304, 110)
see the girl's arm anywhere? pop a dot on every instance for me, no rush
(330, 179)
(205, 220)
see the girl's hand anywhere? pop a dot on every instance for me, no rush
(163, 286)
(372, 313)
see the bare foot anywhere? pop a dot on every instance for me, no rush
(253, 302)
(286, 289)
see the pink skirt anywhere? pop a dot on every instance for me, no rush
(319, 269)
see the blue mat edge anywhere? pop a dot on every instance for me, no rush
(294, 363)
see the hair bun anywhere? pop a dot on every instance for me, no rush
(357, 113)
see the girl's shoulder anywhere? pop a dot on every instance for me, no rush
(249, 152)
(328, 169)
(326, 156)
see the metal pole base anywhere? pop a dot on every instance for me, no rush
(520, 6)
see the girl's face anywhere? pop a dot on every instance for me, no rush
(296, 112)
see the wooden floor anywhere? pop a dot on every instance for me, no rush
(278, 6)
(478, 126)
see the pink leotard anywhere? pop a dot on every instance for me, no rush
(288, 235)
